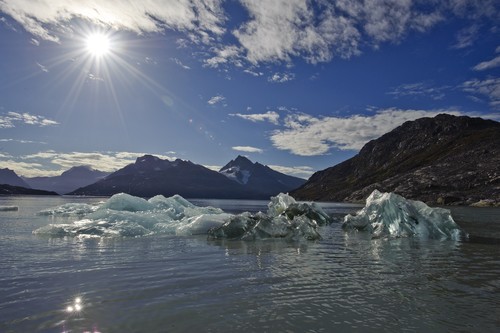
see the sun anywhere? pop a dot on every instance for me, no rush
(98, 44)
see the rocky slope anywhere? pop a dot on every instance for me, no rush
(440, 160)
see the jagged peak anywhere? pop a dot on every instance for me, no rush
(147, 158)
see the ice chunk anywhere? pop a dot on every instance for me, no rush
(127, 202)
(69, 209)
(9, 208)
(285, 219)
(128, 216)
(389, 214)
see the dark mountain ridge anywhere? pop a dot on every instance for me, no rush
(444, 160)
(6, 189)
(150, 175)
(9, 177)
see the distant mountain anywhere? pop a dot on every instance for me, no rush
(443, 160)
(150, 175)
(68, 181)
(259, 178)
(9, 177)
(18, 190)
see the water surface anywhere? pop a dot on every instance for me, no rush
(163, 283)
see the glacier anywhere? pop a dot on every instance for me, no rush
(124, 215)
(391, 215)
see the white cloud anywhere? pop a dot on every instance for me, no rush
(253, 73)
(281, 77)
(275, 31)
(495, 62)
(248, 149)
(270, 116)
(44, 18)
(306, 135)
(224, 55)
(35, 42)
(489, 88)
(217, 99)
(296, 171)
(12, 118)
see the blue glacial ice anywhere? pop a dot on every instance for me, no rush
(285, 218)
(124, 215)
(391, 215)
(128, 216)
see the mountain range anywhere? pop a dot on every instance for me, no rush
(442, 160)
(150, 175)
(68, 181)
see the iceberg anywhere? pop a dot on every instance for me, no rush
(124, 215)
(391, 215)
(9, 208)
(285, 218)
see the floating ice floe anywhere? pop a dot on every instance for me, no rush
(9, 208)
(285, 218)
(128, 216)
(391, 215)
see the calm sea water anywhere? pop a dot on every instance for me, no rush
(345, 282)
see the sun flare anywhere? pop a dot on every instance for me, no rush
(98, 44)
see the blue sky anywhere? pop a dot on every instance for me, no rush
(297, 85)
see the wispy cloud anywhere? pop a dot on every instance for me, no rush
(296, 171)
(217, 99)
(179, 63)
(23, 141)
(42, 67)
(306, 135)
(466, 37)
(270, 116)
(495, 62)
(11, 119)
(419, 89)
(94, 77)
(281, 77)
(248, 149)
(489, 88)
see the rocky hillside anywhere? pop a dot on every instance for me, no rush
(440, 160)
